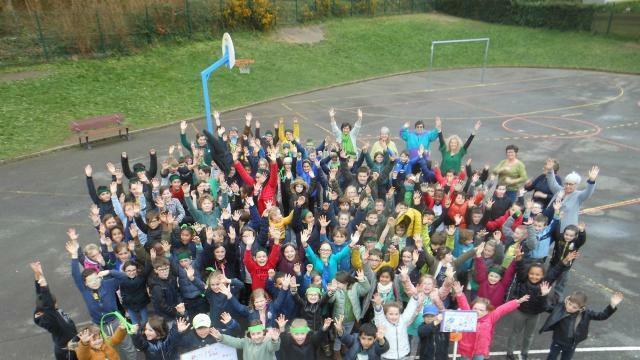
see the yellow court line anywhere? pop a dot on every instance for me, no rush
(21, 192)
(610, 206)
(439, 89)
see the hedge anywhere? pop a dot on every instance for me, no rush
(562, 16)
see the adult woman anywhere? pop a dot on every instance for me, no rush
(511, 172)
(384, 142)
(451, 151)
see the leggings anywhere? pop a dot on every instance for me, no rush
(524, 324)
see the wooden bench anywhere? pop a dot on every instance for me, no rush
(100, 127)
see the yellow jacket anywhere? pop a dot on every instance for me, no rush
(282, 224)
(107, 351)
(415, 224)
(356, 260)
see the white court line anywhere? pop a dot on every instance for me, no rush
(585, 350)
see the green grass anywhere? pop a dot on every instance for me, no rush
(162, 84)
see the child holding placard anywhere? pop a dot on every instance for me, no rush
(476, 345)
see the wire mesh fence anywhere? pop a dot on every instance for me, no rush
(103, 28)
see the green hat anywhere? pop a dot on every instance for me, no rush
(102, 189)
(268, 133)
(174, 177)
(304, 213)
(496, 269)
(138, 167)
(184, 256)
(313, 290)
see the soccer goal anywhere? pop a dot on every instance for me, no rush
(445, 42)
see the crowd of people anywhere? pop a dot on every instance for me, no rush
(333, 250)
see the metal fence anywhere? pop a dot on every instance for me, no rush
(31, 37)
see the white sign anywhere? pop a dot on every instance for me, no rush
(459, 321)
(216, 351)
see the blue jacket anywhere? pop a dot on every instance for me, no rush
(354, 347)
(545, 239)
(273, 309)
(345, 263)
(98, 302)
(289, 307)
(414, 140)
(162, 349)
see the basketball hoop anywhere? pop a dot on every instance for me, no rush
(244, 65)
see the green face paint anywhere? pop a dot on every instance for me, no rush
(256, 328)
(300, 330)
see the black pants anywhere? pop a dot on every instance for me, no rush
(558, 348)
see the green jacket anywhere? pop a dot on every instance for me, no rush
(355, 292)
(250, 350)
(210, 219)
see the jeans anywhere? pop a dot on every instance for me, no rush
(346, 327)
(511, 195)
(125, 349)
(138, 317)
(557, 348)
(524, 324)
(560, 283)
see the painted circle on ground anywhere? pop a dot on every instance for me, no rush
(554, 130)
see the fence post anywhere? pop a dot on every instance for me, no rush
(384, 7)
(45, 51)
(351, 9)
(275, 12)
(221, 12)
(147, 23)
(187, 14)
(100, 33)
(610, 19)
(296, 10)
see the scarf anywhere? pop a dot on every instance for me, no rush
(347, 144)
(385, 289)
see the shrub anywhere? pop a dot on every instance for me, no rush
(259, 16)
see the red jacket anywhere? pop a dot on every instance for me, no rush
(269, 190)
(479, 342)
(259, 274)
(495, 293)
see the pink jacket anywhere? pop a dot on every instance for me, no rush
(495, 293)
(479, 342)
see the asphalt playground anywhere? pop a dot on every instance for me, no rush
(581, 118)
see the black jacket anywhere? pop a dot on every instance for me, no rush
(434, 344)
(56, 322)
(165, 296)
(311, 312)
(133, 291)
(560, 322)
(289, 349)
(521, 286)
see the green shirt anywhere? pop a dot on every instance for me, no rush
(452, 162)
(516, 171)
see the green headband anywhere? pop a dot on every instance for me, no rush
(313, 290)
(256, 328)
(299, 330)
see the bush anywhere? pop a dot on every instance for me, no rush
(260, 15)
(553, 15)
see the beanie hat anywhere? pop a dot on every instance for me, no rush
(174, 177)
(102, 189)
(268, 133)
(430, 310)
(183, 256)
(496, 269)
(138, 167)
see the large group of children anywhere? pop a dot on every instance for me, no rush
(336, 250)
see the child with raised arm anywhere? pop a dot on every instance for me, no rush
(476, 345)
(259, 344)
(570, 320)
(300, 342)
(396, 323)
(48, 316)
(369, 343)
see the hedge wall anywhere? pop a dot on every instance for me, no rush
(563, 16)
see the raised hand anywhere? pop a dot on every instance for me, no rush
(480, 249)
(380, 333)
(337, 323)
(182, 325)
(327, 324)
(457, 287)
(545, 288)
(225, 318)
(183, 127)
(359, 114)
(616, 299)
(281, 321)
(180, 308)
(477, 125)
(332, 113)
(215, 333)
(593, 173)
(523, 299)
(88, 170)
(377, 300)
(570, 257)
(438, 124)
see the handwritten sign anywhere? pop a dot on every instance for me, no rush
(215, 351)
(459, 321)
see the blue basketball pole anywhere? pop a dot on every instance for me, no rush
(205, 87)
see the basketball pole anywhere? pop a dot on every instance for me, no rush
(228, 58)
